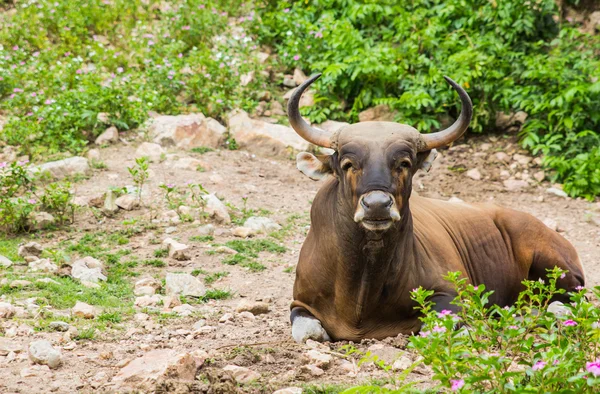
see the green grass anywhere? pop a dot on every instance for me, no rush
(210, 278)
(202, 238)
(86, 334)
(254, 246)
(112, 317)
(216, 294)
(289, 270)
(155, 263)
(202, 149)
(161, 252)
(9, 248)
(198, 271)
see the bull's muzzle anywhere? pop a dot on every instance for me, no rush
(376, 211)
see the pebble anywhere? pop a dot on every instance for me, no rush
(81, 309)
(241, 374)
(42, 352)
(256, 308)
(556, 192)
(474, 174)
(59, 326)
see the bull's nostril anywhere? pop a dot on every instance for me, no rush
(364, 203)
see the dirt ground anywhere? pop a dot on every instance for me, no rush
(264, 344)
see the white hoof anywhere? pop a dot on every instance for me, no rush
(305, 328)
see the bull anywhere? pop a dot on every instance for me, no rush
(371, 242)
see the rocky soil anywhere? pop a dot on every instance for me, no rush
(241, 343)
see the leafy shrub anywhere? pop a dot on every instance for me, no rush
(510, 56)
(522, 348)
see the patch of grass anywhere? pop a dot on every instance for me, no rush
(202, 149)
(9, 248)
(198, 271)
(323, 389)
(458, 169)
(208, 279)
(112, 317)
(254, 266)
(98, 164)
(155, 263)
(202, 238)
(86, 334)
(293, 221)
(215, 294)
(161, 252)
(254, 246)
(289, 270)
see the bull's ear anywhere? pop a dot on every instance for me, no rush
(425, 160)
(314, 167)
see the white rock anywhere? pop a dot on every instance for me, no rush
(59, 326)
(64, 168)
(42, 265)
(474, 174)
(557, 192)
(289, 390)
(177, 251)
(216, 208)
(190, 164)
(317, 358)
(242, 232)
(299, 76)
(559, 309)
(88, 269)
(313, 370)
(246, 316)
(81, 309)
(110, 136)
(9, 346)
(378, 113)
(184, 284)
(147, 301)
(6, 310)
(150, 150)
(522, 159)
(143, 372)
(171, 301)
(184, 310)
(226, 317)
(127, 202)
(110, 204)
(40, 220)
(199, 324)
(242, 375)
(30, 249)
(93, 155)
(42, 352)
(256, 308)
(402, 363)
(19, 283)
(205, 230)
(514, 185)
(501, 157)
(539, 176)
(187, 131)
(261, 224)
(5, 262)
(146, 286)
(264, 138)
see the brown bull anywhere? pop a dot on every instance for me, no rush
(371, 242)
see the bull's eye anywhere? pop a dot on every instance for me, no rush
(404, 164)
(348, 165)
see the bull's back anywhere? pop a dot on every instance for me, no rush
(456, 236)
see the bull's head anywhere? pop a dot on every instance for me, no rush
(374, 162)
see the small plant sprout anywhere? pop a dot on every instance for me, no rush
(139, 173)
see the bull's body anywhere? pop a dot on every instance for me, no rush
(360, 289)
(371, 243)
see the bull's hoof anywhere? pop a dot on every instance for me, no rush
(305, 328)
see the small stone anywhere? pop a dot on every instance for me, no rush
(299, 76)
(150, 150)
(474, 174)
(557, 192)
(514, 185)
(110, 207)
(42, 265)
(522, 159)
(277, 109)
(501, 157)
(256, 308)
(288, 81)
(177, 251)
(559, 309)
(81, 309)
(40, 220)
(184, 284)
(199, 324)
(317, 358)
(242, 232)
(313, 370)
(146, 286)
(184, 310)
(226, 317)
(42, 352)
(59, 326)
(289, 390)
(225, 250)
(242, 375)
(247, 316)
(455, 199)
(93, 155)
(127, 202)
(5, 262)
(171, 301)
(261, 224)
(110, 136)
(64, 168)
(19, 283)
(539, 176)
(88, 269)
(170, 230)
(402, 364)
(206, 230)
(216, 208)
(147, 301)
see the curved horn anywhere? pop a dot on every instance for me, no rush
(445, 137)
(306, 131)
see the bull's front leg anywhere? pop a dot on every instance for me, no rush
(305, 326)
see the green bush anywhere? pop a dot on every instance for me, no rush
(510, 55)
(523, 348)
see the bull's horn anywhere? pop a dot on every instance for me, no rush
(452, 133)
(306, 131)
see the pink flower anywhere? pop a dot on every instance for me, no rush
(12, 96)
(67, 54)
(16, 48)
(201, 6)
(3, 164)
(443, 313)
(33, 94)
(593, 367)
(31, 201)
(296, 57)
(539, 365)
(170, 185)
(186, 28)
(36, 53)
(79, 71)
(119, 69)
(513, 327)
(286, 10)
(17, 90)
(219, 101)
(475, 288)
(424, 334)
(457, 384)
(579, 288)
(439, 329)
(318, 35)
(563, 276)
(48, 102)
(223, 13)
(569, 323)
(150, 43)
(67, 28)
(180, 55)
